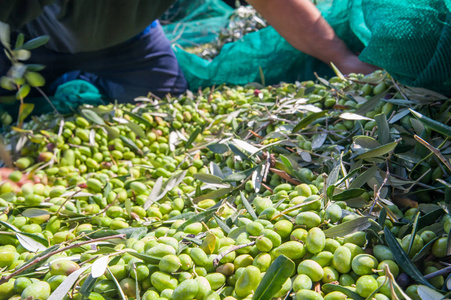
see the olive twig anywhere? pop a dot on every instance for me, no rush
(377, 193)
(231, 249)
(433, 150)
(4, 279)
(438, 273)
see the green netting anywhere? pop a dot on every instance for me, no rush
(410, 39)
(195, 22)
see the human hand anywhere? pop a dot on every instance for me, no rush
(15, 179)
(352, 64)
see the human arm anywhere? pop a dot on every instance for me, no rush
(17, 13)
(302, 25)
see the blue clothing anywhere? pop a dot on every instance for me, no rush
(122, 72)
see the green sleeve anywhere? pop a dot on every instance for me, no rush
(17, 13)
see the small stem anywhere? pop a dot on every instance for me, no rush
(48, 100)
(433, 150)
(231, 249)
(285, 176)
(377, 194)
(4, 279)
(68, 198)
(438, 273)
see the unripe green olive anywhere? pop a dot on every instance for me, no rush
(366, 285)
(342, 259)
(308, 295)
(316, 240)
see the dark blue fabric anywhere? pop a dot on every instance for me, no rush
(131, 69)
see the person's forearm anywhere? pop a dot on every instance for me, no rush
(302, 25)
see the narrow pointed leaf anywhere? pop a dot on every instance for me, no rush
(349, 227)
(66, 285)
(309, 119)
(139, 119)
(35, 212)
(30, 244)
(147, 258)
(92, 116)
(328, 287)
(363, 178)
(382, 150)
(246, 146)
(118, 286)
(36, 42)
(276, 275)
(208, 178)
(424, 251)
(426, 293)
(213, 195)
(383, 130)
(248, 206)
(154, 193)
(218, 148)
(99, 266)
(433, 124)
(201, 217)
(414, 231)
(222, 224)
(238, 152)
(348, 194)
(193, 137)
(88, 286)
(402, 259)
(131, 144)
(136, 129)
(25, 110)
(355, 117)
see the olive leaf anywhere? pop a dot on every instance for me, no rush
(147, 258)
(35, 212)
(348, 227)
(138, 119)
(348, 194)
(88, 286)
(379, 151)
(433, 124)
(222, 224)
(154, 193)
(67, 284)
(308, 119)
(131, 144)
(426, 293)
(99, 266)
(414, 232)
(208, 178)
(354, 117)
(118, 286)
(201, 217)
(328, 288)
(371, 103)
(218, 148)
(36, 42)
(30, 244)
(214, 194)
(402, 259)
(25, 110)
(383, 130)
(193, 137)
(248, 206)
(136, 129)
(276, 275)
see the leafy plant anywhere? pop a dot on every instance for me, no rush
(21, 77)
